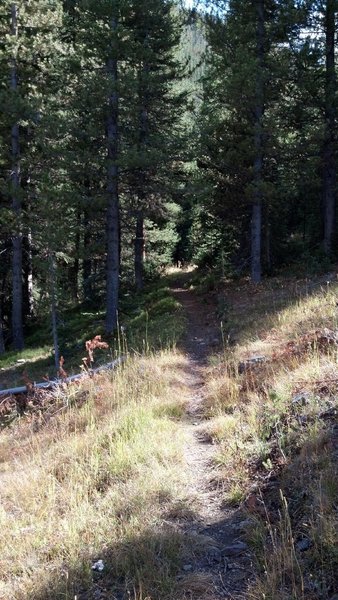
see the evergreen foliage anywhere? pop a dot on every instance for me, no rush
(134, 135)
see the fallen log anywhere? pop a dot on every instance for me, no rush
(47, 385)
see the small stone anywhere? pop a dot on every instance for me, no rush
(187, 568)
(239, 575)
(251, 363)
(235, 549)
(214, 554)
(303, 398)
(98, 565)
(303, 545)
(245, 524)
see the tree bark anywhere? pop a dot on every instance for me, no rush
(53, 296)
(139, 250)
(256, 219)
(2, 339)
(143, 140)
(113, 209)
(87, 261)
(28, 299)
(268, 258)
(329, 162)
(73, 271)
(17, 321)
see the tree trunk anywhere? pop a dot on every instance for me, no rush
(113, 209)
(268, 258)
(143, 140)
(256, 220)
(53, 303)
(139, 250)
(329, 163)
(28, 299)
(2, 340)
(4, 274)
(17, 324)
(87, 261)
(73, 272)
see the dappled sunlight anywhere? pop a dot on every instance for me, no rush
(272, 399)
(189, 268)
(270, 317)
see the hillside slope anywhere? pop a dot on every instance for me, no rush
(205, 471)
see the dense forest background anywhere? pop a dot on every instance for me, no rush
(134, 135)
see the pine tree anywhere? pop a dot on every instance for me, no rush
(157, 140)
(260, 134)
(113, 210)
(28, 44)
(330, 134)
(17, 309)
(259, 107)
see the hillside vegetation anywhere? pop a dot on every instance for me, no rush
(272, 408)
(97, 472)
(95, 481)
(145, 323)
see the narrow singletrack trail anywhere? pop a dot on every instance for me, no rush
(222, 567)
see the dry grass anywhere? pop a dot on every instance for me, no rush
(277, 421)
(196, 586)
(103, 478)
(94, 483)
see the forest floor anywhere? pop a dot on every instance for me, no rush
(203, 471)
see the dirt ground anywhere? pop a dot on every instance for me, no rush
(224, 567)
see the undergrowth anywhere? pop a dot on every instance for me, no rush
(272, 410)
(147, 321)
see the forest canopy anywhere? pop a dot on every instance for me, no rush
(134, 135)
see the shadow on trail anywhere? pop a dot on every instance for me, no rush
(171, 562)
(156, 565)
(203, 330)
(238, 310)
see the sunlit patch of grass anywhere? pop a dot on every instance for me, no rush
(282, 315)
(94, 483)
(222, 394)
(27, 355)
(235, 494)
(222, 427)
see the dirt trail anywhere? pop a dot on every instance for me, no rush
(223, 566)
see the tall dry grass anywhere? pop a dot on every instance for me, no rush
(94, 483)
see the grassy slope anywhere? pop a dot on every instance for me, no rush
(276, 426)
(96, 481)
(92, 473)
(98, 474)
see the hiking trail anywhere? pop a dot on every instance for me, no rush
(223, 567)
